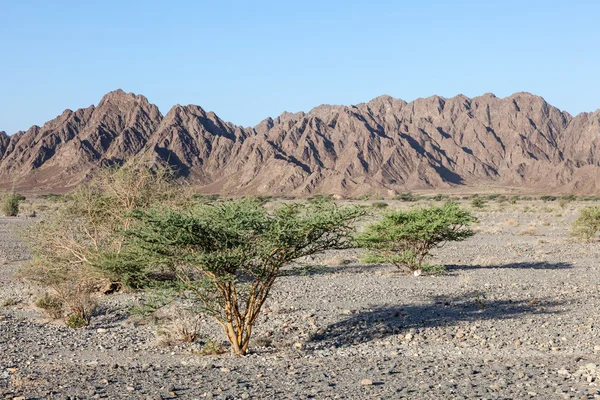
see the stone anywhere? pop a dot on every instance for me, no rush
(366, 382)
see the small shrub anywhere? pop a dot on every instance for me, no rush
(433, 269)
(379, 204)
(532, 231)
(185, 327)
(587, 225)
(478, 202)
(52, 305)
(511, 222)
(76, 321)
(406, 238)
(406, 197)
(10, 302)
(548, 198)
(212, 348)
(440, 197)
(10, 204)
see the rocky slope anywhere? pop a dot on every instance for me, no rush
(384, 146)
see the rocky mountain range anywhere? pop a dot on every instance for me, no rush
(385, 146)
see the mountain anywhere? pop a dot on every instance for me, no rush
(384, 146)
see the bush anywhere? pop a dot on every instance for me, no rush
(73, 249)
(228, 254)
(406, 238)
(52, 305)
(587, 224)
(548, 198)
(478, 202)
(406, 197)
(10, 204)
(379, 204)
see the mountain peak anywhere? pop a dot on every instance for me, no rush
(386, 145)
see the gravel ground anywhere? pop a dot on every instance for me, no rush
(515, 317)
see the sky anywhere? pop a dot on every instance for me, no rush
(248, 60)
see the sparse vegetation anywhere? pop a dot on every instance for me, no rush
(587, 225)
(10, 204)
(229, 254)
(379, 205)
(406, 197)
(478, 202)
(74, 250)
(406, 238)
(52, 305)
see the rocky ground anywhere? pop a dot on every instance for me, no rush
(517, 316)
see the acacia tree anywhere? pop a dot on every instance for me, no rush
(405, 238)
(229, 254)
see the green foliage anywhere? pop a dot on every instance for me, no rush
(548, 198)
(228, 254)
(433, 269)
(379, 204)
(76, 321)
(406, 197)
(440, 197)
(53, 197)
(406, 238)
(587, 224)
(478, 202)
(10, 204)
(211, 348)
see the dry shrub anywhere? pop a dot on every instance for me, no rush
(532, 231)
(71, 246)
(183, 326)
(511, 222)
(52, 305)
(335, 261)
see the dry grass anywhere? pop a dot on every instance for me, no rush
(532, 231)
(511, 222)
(183, 327)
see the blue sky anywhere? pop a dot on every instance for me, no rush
(247, 60)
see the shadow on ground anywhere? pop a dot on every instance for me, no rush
(519, 265)
(381, 322)
(315, 269)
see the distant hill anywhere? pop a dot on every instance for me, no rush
(384, 146)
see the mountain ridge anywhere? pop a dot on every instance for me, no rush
(386, 145)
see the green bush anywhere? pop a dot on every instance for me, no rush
(379, 204)
(548, 198)
(406, 238)
(228, 254)
(10, 204)
(587, 224)
(406, 197)
(478, 202)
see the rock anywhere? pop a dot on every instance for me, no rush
(101, 330)
(366, 382)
